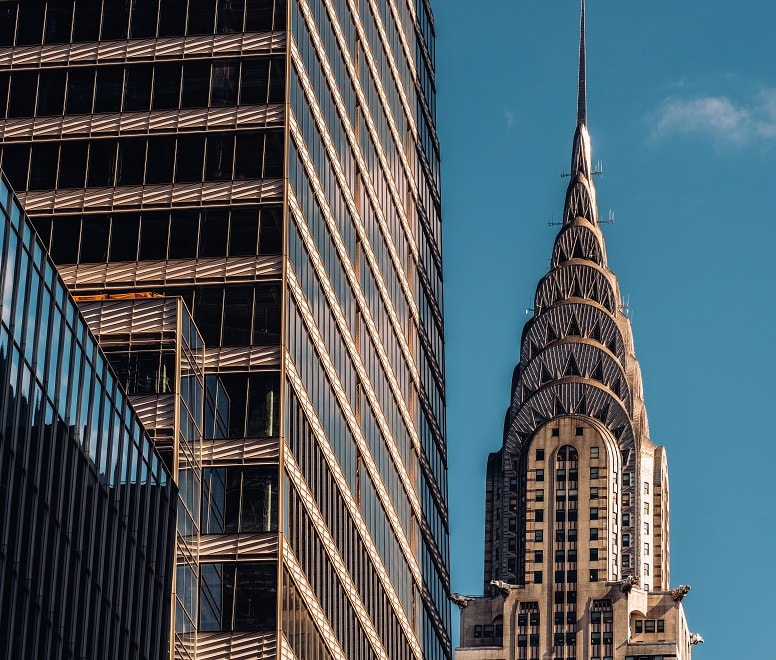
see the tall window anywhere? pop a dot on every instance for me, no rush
(239, 499)
(238, 596)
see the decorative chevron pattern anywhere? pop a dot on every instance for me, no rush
(569, 396)
(576, 355)
(579, 201)
(568, 319)
(577, 280)
(577, 241)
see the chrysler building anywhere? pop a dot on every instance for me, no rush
(577, 527)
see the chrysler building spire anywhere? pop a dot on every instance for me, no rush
(581, 162)
(582, 87)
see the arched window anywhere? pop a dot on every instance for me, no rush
(567, 453)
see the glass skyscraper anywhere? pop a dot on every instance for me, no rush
(87, 507)
(275, 164)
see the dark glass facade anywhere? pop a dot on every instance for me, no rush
(275, 164)
(87, 520)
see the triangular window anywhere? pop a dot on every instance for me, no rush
(574, 201)
(582, 406)
(559, 408)
(572, 369)
(577, 289)
(574, 330)
(598, 372)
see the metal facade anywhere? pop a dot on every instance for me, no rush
(276, 165)
(87, 513)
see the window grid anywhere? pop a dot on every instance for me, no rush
(35, 22)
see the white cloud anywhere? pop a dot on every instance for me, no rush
(509, 118)
(717, 116)
(766, 125)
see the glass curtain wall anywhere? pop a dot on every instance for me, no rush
(88, 516)
(364, 364)
(164, 177)
(275, 164)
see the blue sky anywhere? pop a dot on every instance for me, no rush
(682, 112)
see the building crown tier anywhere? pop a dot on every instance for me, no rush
(577, 352)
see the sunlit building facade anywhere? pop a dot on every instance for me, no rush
(577, 516)
(275, 165)
(158, 357)
(87, 506)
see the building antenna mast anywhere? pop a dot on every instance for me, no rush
(582, 85)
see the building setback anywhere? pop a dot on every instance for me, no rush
(576, 530)
(276, 165)
(87, 507)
